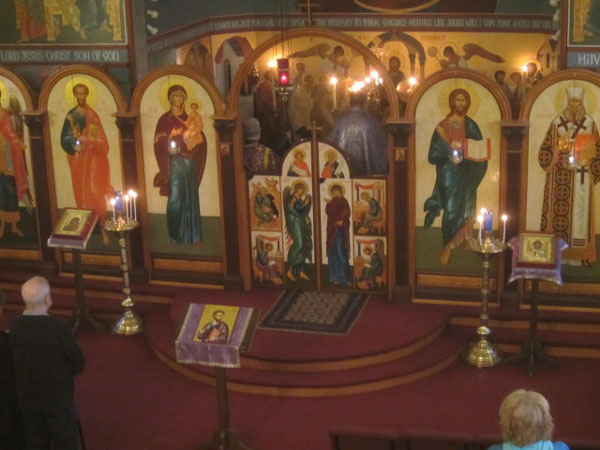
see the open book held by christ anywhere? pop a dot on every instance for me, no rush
(477, 150)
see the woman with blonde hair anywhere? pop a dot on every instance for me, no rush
(526, 423)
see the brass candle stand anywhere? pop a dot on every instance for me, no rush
(130, 323)
(482, 353)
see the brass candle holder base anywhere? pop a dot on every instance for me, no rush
(130, 323)
(482, 353)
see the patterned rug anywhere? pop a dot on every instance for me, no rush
(315, 312)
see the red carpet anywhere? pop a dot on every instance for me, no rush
(128, 399)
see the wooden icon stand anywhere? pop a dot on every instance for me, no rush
(532, 349)
(536, 256)
(224, 438)
(193, 347)
(73, 232)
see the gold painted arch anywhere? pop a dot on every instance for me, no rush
(563, 75)
(21, 85)
(353, 44)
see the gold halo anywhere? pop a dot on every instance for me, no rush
(330, 187)
(447, 44)
(400, 56)
(92, 98)
(459, 83)
(331, 151)
(534, 61)
(171, 80)
(301, 152)
(590, 101)
(300, 182)
(3, 93)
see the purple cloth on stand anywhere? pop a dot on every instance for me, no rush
(189, 351)
(552, 274)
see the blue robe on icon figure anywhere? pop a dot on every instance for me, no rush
(180, 171)
(457, 180)
(338, 238)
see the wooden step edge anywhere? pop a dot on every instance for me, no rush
(96, 293)
(559, 352)
(567, 327)
(66, 312)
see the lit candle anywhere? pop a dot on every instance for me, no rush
(374, 75)
(487, 224)
(133, 195)
(504, 219)
(524, 69)
(480, 221)
(127, 214)
(412, 81)
(334, 81)
(113, 202)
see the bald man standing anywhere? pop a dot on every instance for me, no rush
(46, 358)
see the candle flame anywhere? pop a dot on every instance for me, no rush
(524, 68)
(357, 86)
(272, 64)
(126, 197)
(412, 81)
(504, 217)
(133, 194)
(480, 218)
(483, 210)
(113, 201)
(374, 74)
(367, 80)
(333, 80)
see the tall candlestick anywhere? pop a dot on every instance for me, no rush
(113, 202)
(504, 219)
(133, 195)
(334, 81)
(487, 224)
(480, 221)
(127, 213)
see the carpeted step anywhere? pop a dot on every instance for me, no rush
(377, 376)
(394, 325)
(428, 359)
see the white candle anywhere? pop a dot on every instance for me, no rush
(126, 199)
(133, 195)
(480, 221)
(504, 219)
(113, 202)
(334, 81)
